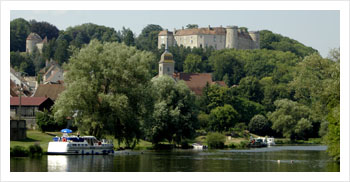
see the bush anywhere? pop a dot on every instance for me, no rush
(216, 140)
(18, 151)
(259, 125)
(46, 122)
(35, 150)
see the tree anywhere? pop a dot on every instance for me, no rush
(44, 29)
(333, 134)
(216, 140)
(223, 118)
(19, 31)
(250, 88)
(128, 37)
(193, 64)
(148, 39)
(272, 41)
(227, 62)
(175, 114)
(191, 26)
(292, 119)
(259, 125)
(61, 52)
(107, 87)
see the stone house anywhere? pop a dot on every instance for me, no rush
(34, 41)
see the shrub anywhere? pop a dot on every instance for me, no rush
(18, 151)
(35, 150)
(216, 140)
(259, 125)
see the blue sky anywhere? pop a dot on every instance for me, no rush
(316, 28)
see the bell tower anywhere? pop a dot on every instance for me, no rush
(166, 63)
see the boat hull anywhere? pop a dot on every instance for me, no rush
(67, 148)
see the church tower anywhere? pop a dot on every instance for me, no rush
(166, 63)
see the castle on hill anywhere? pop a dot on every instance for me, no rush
(217, 37)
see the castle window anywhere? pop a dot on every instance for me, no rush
(191, 41)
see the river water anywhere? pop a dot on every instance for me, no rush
(270, 159)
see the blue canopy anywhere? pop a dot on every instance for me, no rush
(66, 131)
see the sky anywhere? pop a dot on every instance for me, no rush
(319, 29)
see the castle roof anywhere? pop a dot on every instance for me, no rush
(34, 36)
(201, 31)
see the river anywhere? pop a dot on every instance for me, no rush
(271, 159)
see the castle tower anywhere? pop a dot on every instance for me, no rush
(166, 63)
(166, 38)
(31, 42)
(232, 37)
(255, 35)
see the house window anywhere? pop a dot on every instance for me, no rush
(200, 36)
(215, 46)
(168, 69)
(200, 45)
(214, 38)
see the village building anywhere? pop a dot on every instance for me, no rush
(216, 37)
(29, 107)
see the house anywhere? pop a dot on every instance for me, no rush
(15, 90)
(29, 107)
(49, 90)
(54, 74)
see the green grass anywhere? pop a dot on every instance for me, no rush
(36, 137)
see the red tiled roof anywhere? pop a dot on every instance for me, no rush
(221, 83)
(195, 81)
(27, 101)
(49, 90)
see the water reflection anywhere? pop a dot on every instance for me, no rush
(273, 159)
(79, 163)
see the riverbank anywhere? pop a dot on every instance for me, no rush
(35, 137)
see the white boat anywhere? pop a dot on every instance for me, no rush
(268, 140)
(197, 146)
(79, 145)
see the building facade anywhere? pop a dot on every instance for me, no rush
(216, 37)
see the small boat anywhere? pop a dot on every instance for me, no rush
(79, 145)
(257, 142)
(197, 146)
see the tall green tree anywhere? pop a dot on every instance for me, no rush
(175, 112)
(223, 118)
(148, 39)
(107, 87)
(291, 119)
(44, 29)
(19, 31)
(193, 64)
